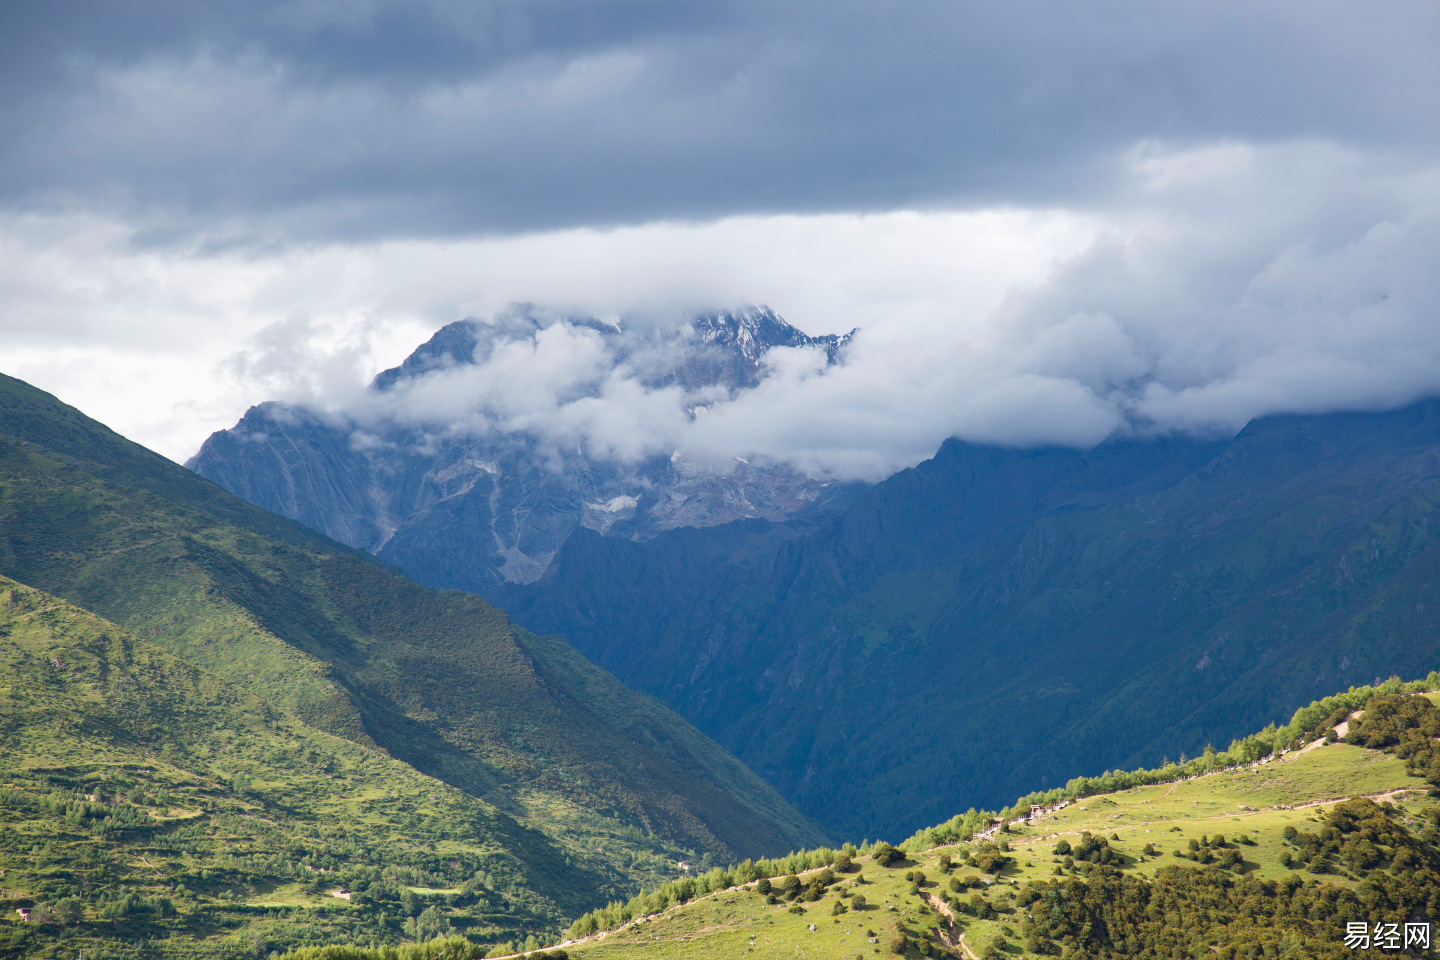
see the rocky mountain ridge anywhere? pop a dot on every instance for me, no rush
(468, 510)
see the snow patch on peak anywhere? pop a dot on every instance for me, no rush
(614, 504)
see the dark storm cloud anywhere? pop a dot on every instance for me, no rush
(329, 120)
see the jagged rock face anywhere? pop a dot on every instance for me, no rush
(466, 512)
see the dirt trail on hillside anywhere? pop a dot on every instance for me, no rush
(950, 935)
(1377, 797)
(1341, 728)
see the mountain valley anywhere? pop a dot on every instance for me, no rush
(997, 618)
(228, 735)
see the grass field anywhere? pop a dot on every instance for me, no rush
(1258, 802)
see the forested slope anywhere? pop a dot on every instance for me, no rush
(996, 619)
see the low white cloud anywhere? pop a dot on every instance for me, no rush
(1212, 285)
(1225, 283)
(167, 345)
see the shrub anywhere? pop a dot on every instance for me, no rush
(886, 855)
(69, 911)
(992, 862)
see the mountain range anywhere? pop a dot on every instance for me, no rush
(225, 732)
(992, 619)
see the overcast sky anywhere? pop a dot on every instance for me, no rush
(1052, 221)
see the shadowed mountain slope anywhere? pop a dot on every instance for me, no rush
(995, 619)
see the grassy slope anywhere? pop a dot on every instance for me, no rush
(723, 924)
(87, 707)
(442, 681)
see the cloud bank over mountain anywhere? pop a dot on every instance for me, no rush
(1049, 224)
(1229, 283)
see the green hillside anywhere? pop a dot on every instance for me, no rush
(441, 681)
(145, 801)
(1226, 856)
